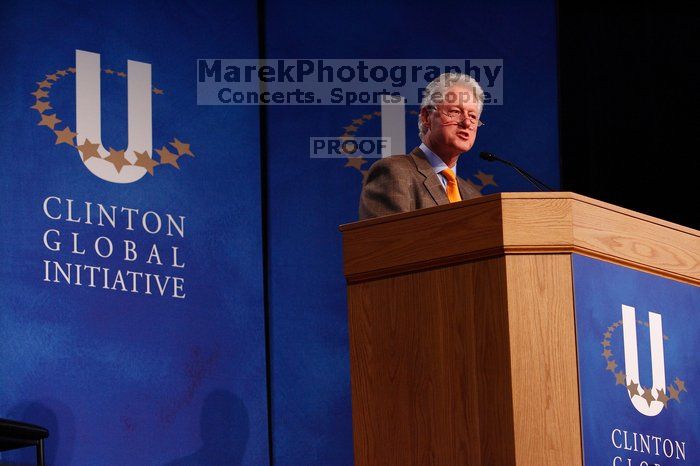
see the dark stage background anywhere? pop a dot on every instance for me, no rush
(628, 105)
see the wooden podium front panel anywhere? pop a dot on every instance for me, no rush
(429, 360)
(543, 359)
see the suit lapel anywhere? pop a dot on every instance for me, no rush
(466, 190)
(432, 183)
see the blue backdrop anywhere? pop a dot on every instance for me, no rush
(131, 378)
(121, 377)
(308, 198)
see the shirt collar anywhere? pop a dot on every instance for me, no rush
(435, 161)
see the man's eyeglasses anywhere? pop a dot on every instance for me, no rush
(456, 116)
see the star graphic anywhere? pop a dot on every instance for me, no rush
(109, 71)
(648, 396)
(612, 365)
(485, 179)
(71, 70)
(355, 162)
(377, 113)
(605, 343)
(116, 157)
(181, 147)
(143, 160)
(39, 93)
(661, 396)
(620, 378)
(168, 157)
(616, 324)
(367, 116)
(607, 335)
(358, 122)
(44, 83)
(121, 73)
(674, 393)
(41, 106)
(51, 77)
(65, 136)
(681, 385)
(89, 149)
(350, 129)
(607, 353)
(611, 328)
(48, 120)
(61, 72)
(157, 91)
(632, 388)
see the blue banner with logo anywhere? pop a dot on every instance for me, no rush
(131, 305)
(638, 367)
(312, 187)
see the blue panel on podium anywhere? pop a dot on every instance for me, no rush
(639, 370)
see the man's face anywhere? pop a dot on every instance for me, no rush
(449, 130)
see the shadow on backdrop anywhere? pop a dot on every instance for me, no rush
(224, 429)
(46, 413)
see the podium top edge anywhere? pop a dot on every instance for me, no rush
(497, 198)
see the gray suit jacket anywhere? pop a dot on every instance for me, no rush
(402, 183)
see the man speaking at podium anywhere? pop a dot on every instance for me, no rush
(447, 126)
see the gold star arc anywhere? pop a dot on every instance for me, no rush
(167, 157)
(181, 147)
(355, 162)
(40, 94)
(485, 179)
(89, 150)
(49, 121)
(620, 378)
(116, 158)
(41, 106)
(65, 136)
(632, 388)
(145, 161)
(648, 396)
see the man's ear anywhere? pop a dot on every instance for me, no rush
(424, 114)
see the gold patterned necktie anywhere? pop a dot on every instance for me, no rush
(452, 188)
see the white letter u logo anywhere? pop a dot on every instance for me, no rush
(88, 116)
(646, 406)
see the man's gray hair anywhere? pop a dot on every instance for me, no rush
(435, 93)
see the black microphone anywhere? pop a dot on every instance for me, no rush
(488, 156)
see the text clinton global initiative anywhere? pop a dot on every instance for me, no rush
(84, 240)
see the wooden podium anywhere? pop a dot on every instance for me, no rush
(462, 326)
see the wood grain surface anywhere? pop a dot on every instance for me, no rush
(430, 370)
(520, 223)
